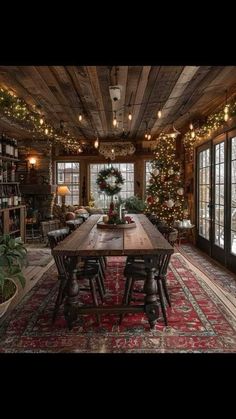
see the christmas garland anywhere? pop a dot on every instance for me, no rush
(104, 185)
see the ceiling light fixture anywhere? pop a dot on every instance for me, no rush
(112, 150)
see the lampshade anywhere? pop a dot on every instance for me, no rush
(63, 190)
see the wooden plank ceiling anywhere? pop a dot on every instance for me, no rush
(183, 93)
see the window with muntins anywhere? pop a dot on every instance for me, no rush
(67, 173)
(127, 190)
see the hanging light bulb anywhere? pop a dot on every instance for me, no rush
(159, 113)
(80, 117)
(130, 116)
(191, 126)
(96, 143)
(46, 131)
(115, 120)
(41, 121)
(192, 134)
(226, 109)
(146, 130)
(149, 137)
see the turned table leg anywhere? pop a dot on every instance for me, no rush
(71, 301)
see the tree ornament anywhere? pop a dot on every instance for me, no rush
(156, 172)
(170, 203)
(180, 191)
(150, 200)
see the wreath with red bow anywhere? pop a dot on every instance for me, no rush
(103, 181)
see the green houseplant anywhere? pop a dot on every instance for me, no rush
(12, 257)
(134, 204)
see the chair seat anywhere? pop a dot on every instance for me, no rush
(135, 269)
(88, 271)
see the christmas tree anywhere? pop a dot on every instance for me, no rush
(165, 192)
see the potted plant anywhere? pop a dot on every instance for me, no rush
(12, 258)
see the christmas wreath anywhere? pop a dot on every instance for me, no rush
(103, 181)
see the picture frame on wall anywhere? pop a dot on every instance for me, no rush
(22, 170)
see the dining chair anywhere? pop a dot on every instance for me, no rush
(87, 271)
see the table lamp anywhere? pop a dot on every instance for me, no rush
(62, 191)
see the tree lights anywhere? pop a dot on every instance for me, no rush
(165, 193)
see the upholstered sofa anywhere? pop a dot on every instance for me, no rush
(70, 212)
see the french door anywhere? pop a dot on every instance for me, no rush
(216, 199)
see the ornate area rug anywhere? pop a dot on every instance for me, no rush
(215, 271)
(200, 319)
(38, 257)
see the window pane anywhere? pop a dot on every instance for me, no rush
(68, 174)
(233, 242)
(127, 172)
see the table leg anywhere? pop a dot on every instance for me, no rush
(151, 305)
(71, 301)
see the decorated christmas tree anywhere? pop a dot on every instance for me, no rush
(165, 192)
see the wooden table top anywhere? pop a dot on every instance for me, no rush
(88, 240)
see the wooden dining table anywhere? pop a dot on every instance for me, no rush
(90, 241)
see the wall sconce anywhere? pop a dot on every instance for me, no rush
(32, 161)
(62, 191)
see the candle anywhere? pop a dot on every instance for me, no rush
(120, 212)
(105, 218)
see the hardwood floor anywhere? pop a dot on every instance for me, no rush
(32, 275)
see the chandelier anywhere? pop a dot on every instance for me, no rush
(113, 150)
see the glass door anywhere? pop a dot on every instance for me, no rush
(204, 198)
(231, 253)
(216, 199)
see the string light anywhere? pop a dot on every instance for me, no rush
(46, 131)
(130, 116)
(80, 117)
(115, 120)
(191, 126)
(41, 121)
(159, 113)
(96, 143)
(226, 109)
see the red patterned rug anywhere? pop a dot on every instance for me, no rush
(199, 321)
